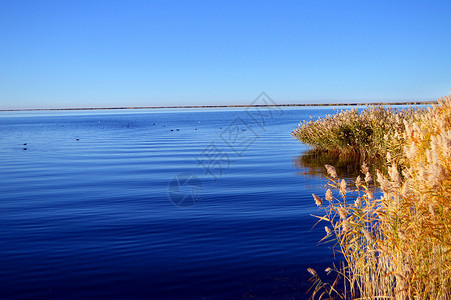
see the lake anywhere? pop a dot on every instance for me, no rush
(157, 204)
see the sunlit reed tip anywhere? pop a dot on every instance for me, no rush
(358, 201)
(343, 186)
(318, 200)
(358, 181)
(331, 171)
(368, 178)
(364, 168)
(329, 196)
(311, 271)
(328, 230)
(342, 212)
(369, 237)
(345, 226)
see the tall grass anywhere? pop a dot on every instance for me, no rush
(396, 245)
(369, 133)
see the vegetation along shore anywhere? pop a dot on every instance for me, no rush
(392, 226)
(226, 106)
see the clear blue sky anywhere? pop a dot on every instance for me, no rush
(144, 53)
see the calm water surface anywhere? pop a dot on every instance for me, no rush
(96, 206)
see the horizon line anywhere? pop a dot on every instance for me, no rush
(228, 106)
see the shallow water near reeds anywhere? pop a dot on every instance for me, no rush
(157, 204)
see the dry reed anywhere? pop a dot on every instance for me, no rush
(369, 133)
(396, 245)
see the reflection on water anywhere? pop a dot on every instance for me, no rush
(311, 163)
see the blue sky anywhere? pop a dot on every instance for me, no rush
(153, 53)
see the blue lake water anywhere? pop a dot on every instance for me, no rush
(157, 204)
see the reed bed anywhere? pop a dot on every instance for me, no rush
(369, 133)
(396, 245)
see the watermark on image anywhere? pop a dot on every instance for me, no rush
(239, 136)
(186, 189)
(263, 108)
(213, 160)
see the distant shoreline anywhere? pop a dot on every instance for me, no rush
(226, 106)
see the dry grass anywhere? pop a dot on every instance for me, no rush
(369, 133)
(396, 245)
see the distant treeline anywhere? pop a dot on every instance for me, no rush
(231, 106)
